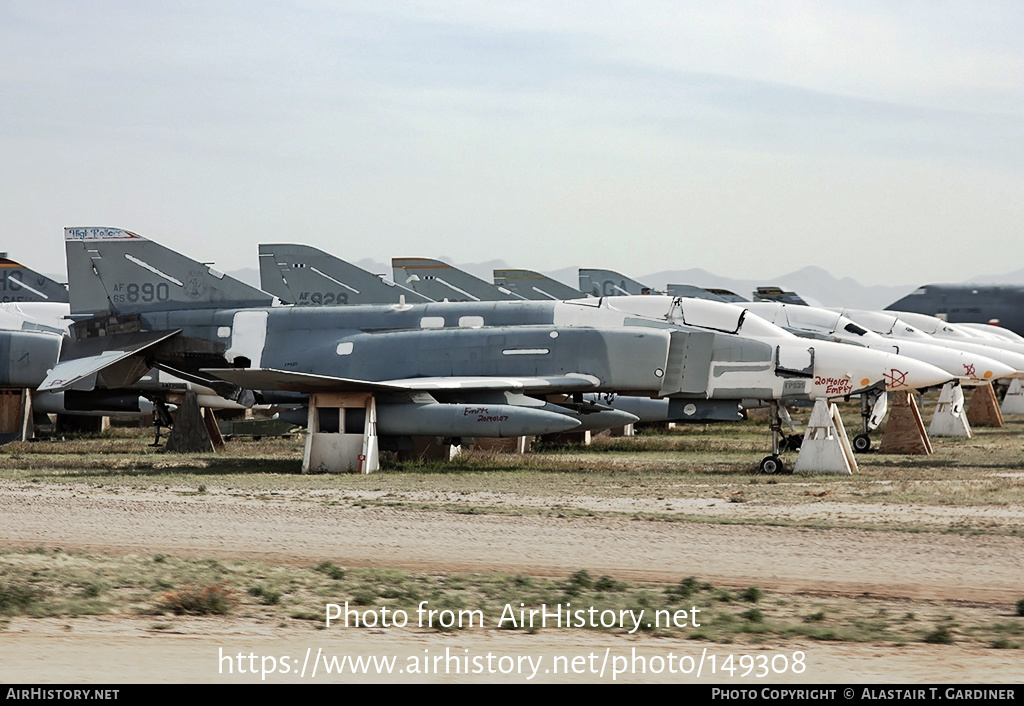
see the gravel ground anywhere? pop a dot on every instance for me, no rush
(918, 566)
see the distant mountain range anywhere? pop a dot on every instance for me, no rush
(811, 283)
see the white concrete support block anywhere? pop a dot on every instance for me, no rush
(825, 448)
(1013, 401)
(950, 418)
(341, 436)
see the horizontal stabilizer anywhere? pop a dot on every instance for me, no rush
(283, 380)
(90, 356)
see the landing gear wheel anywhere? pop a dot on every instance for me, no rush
(771, 465)
(861, 443)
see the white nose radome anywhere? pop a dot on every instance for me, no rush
(967, 366)
(841, 369)
(903, 373)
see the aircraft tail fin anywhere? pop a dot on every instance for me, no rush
(778, 294)
(692, 292)
(114, 271)
(439, 280)
(606, 283)
(304, 275)
(533, 285)
(22, 284)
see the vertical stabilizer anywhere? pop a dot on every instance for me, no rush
(306, 276)
(533, 285)
(115, 271)
(693, 292)
(606, 283)
(21, 284)
(438, 281)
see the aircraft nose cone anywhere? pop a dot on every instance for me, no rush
(905, 373)
(986, 369)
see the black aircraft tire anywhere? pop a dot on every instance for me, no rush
(861, 443)
(771, 465)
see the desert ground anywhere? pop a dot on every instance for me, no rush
(908, 571)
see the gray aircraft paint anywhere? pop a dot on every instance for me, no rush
(387, 342)
(27, 356)
(458, 420)
(968, 303)
(287, 269)
(689, 290)
(384, 343)
(306, 276)
(438, 281)
(539, 347)
(777, 294)
(606, 283)
(674, 409)
(130, 283)
(22, 284)
(533, 285)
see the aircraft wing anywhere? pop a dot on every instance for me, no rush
(90, 356)
(283, 380)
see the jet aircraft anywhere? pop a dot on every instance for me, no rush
(533, 285)
(151, 306)
(607, 283)
(306, 276)
(778, 294)
(439, 281)
(969, 367)
(968, 303)
(21, 284)
(889, 325)
(538, 286)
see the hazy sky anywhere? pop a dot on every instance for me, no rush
(880, 140)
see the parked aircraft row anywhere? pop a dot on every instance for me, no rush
(447, 354)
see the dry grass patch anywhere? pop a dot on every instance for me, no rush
(50, 583)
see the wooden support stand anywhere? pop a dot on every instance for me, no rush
(904, 432)
(15, 415)
(984, 408)
(190, 433)
(212, 428)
